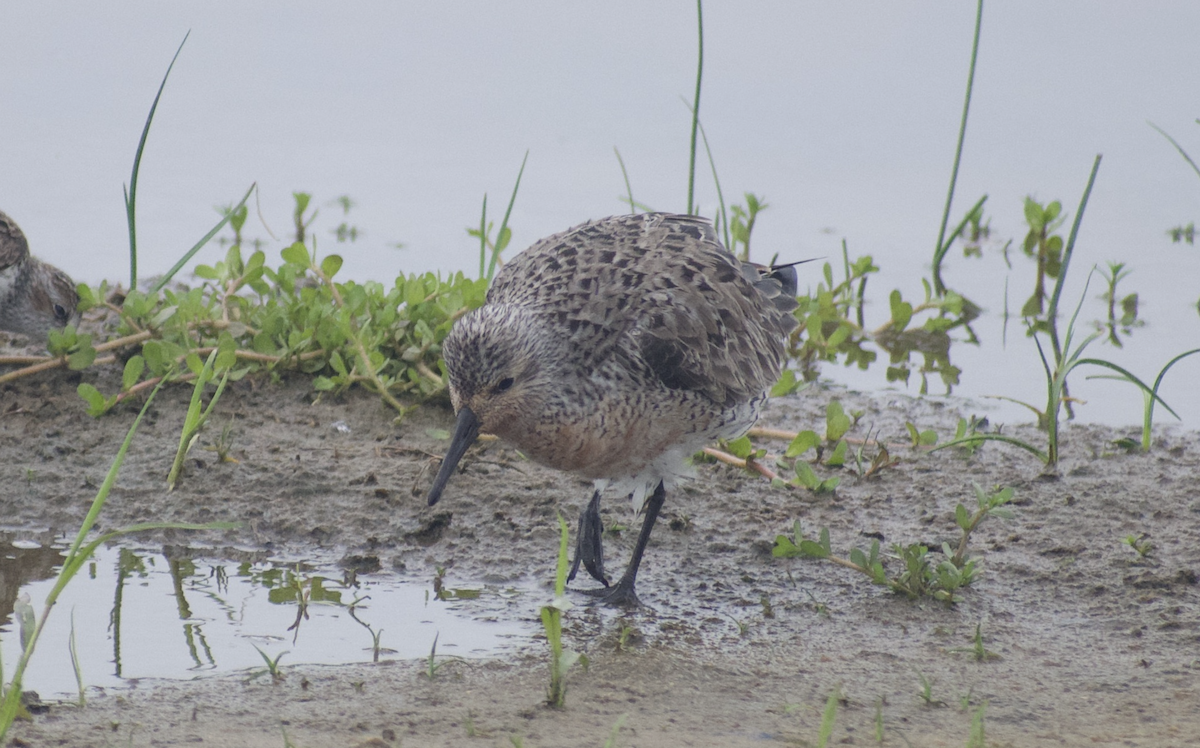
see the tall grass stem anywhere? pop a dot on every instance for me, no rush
(696, 108)
(131, 192)
(962, 134)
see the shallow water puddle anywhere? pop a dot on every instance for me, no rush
(139, 614)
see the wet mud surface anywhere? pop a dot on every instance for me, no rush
(1096, 645)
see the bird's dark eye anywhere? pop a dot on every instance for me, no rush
(504, 384)
(61, 313)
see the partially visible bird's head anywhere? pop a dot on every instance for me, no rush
(43, 299)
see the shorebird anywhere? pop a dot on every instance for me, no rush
(615, 350)
(34, 297)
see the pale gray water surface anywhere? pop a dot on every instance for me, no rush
(843, 115)
(140, 614)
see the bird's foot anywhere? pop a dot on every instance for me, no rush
(621, 594)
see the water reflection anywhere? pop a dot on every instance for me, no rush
(24, 559)
(173, 614)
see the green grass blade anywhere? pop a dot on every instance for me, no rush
(204, 240)
(1126, 375)
(717, 181)
(696, 109)
(962, 133)
(828, 719)
(938, 286)
(1052, 309)
(504, 223)
(131, 193)
(993, 438)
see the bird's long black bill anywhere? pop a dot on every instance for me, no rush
(465, 432)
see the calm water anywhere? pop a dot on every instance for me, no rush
(139, 614)
(843, 115)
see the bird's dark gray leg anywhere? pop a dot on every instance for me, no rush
(588, 547)
(622, 592)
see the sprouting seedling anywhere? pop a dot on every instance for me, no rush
(625, 632)
(926, 438)
(1139, 543)
(977, 650)
(223, 444)
(879, 720)
(805, 476)
(352, 608)
(561, 659)
(272, 663)
(989, 505)
(611, 742)
(73, 649)
(195, 418)
(828, 718)
(926, 692)
(768, 611)
(1150, 395)
(432, 666)
(977, 738)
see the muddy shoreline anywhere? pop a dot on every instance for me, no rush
(1096, 645)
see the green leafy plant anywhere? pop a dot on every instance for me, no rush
(1128, 319)
(918, 575)
(1045, 246)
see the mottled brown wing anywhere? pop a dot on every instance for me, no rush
(660, 289)
(13, 246)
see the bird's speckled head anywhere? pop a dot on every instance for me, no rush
(41, 298)
(500, 361)
(501, 364)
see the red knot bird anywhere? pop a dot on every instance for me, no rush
(615, 350)
(34, 297)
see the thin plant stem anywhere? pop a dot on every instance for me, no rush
(1068, 250)
(696, 108)
(504, 222)
(483, 247)
(628, 187)
(962, 134)
(158, 285)
(716, 179)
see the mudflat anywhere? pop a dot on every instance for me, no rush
(1093, 643)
